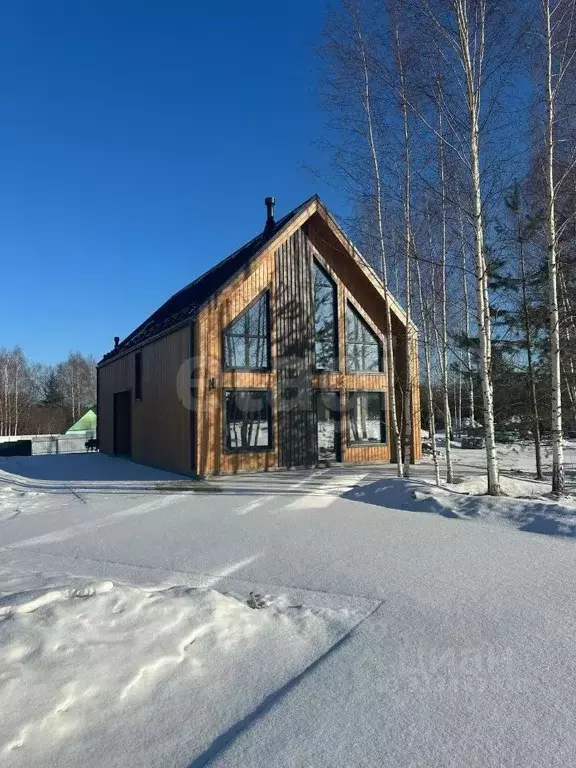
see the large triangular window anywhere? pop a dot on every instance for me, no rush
(247, 338)
(363, 347)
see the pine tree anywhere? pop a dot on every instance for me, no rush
(52, 392)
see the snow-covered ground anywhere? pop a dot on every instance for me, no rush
(106, 673)
(526, 503)
(129, 637)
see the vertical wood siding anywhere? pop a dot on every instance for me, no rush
(294, 317)
(161, 426)
(211, 458)
(160, 421)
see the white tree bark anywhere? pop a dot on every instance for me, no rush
(469, 376)
(443, 280)
(558, 483)
(367, 106)
(472, 45)
(428, 371)
(408, 247)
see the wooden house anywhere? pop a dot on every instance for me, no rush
(274, 358)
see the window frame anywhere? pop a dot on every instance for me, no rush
(381, 357)
(138, 375)
(268, 367)
(322, 268)
(227, 449)
(383, 414)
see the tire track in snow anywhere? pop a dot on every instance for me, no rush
(94, 525)
(267, 499)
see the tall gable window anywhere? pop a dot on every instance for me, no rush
(325, 320)
(247, 339)
(363, 347)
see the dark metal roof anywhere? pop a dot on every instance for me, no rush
(185, 305)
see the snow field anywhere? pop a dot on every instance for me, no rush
(462, 644)
(108, 674)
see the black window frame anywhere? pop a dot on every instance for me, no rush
(227, 448)
(138, 375)
(381, 360)
(268, 367)
(324, 271)
(350, 394)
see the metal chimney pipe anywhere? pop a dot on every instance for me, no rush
(269, 202)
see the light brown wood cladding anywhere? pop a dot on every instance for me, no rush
(294, 333)
(267, 272)
(160, 421)
(230, 302)
(161, 431)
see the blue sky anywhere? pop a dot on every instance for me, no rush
(138, 139)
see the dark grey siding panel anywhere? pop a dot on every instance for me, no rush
(294, 323)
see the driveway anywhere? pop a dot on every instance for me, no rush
(465, 657)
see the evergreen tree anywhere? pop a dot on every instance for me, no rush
(52, 392)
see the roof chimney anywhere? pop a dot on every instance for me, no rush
(116, 341)
(269, 202)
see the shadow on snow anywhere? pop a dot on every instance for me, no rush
(535, 515)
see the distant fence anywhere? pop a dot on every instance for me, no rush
(43, 445)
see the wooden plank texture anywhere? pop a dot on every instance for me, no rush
(161, 425)
(160, 421)
(294, 317)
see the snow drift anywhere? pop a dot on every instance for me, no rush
(106, 674)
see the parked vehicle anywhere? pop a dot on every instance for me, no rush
(473, 441)
(474, 438)
(507, 436)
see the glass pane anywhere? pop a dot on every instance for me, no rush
(365, 417)
(246, 339)
(327, 404)
(234, 352)
(362, 345)
(325, 346)
(353, 327)
(370, 357)
(247, 419)
(256, 318)
(325, 356)
(258, 353)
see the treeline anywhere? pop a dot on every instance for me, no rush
(44, 399)
(451, 127)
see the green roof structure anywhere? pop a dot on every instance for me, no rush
(86, 423)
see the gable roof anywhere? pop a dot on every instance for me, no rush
(184, 305)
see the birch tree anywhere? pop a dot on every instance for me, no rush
(443, 286)
(558, 28)
(427, 345)
(370, 135)
(466, 311)
(353, 100)
(408, 244)
(460, 32)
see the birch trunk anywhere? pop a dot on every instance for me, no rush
(443, 256)
(367, 105)
(528, 335)
(408, 402)
(558, 485)
(428, 373)
(467, 323)
(569, 369)
(472, 57)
